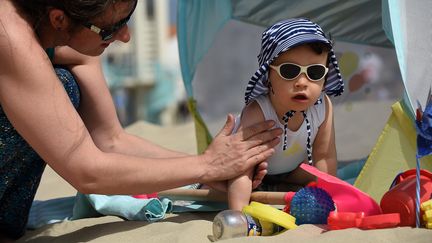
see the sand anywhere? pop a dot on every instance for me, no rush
(197, 227)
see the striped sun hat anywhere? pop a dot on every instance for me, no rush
(282, 37)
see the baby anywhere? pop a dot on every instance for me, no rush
(298, 70)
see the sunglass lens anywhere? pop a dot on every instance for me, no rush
(120, 24)
(316, 72)
(289, 71)
(109, 34)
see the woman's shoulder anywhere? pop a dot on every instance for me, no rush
(14, 24)
(18, 41)
(16, 32)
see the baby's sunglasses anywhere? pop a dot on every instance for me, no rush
(290, 71)
(108, 33)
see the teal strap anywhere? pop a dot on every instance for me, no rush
(50, 53)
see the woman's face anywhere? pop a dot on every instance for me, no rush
(88, 42)
(300, 93)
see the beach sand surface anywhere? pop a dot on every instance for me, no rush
(197, 227)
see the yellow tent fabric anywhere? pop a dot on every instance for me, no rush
(202, 133)
(394, 152)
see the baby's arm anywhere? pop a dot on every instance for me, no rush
(239, 189)
(324, 148)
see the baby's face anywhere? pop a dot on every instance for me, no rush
(299, 93)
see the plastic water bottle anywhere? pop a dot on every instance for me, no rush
(232, 223)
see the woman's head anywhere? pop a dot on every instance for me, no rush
(86, 25)
(80, 11)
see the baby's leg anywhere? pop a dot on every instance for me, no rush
(239, 191)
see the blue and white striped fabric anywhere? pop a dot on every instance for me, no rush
(280, 38)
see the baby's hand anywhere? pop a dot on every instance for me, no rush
(260, 172)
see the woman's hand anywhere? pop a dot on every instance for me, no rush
(260, 172)
(230, 155)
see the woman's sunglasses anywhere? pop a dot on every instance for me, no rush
(108, 33)
(290, 71)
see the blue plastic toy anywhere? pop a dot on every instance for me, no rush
(311, 205)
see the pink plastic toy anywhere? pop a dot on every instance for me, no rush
(146, 196)
(346, 197)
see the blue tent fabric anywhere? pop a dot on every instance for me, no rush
(407, 24)
(343, 19)
(199, 22)
(387, 23)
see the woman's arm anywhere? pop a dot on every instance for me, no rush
(37, 105)
(107, 132)
(98, 111)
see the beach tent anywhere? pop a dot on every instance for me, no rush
(401, 26)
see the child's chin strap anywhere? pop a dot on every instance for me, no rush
(288, 116)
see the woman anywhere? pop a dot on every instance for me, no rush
(72, 126)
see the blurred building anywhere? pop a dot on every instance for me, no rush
(144, 74)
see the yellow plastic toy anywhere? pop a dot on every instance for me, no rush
(269, 215)
(426, 207)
